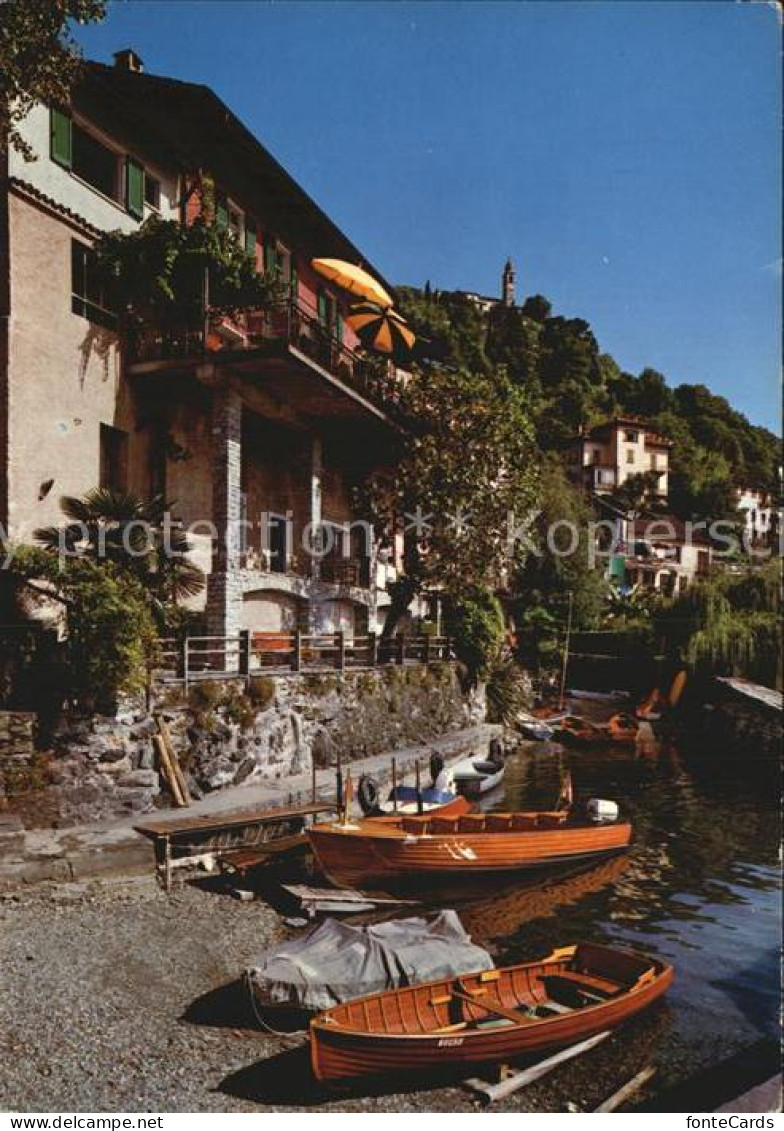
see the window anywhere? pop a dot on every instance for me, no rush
(654, 461)
(327, 310)
(277, 259)
(631, 437)
(277, 543)
(88, 295)
(630, 455)
(152, 191)
(94, 163)
(114, 458)
(235, 224)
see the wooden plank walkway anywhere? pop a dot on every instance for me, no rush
(193, 838)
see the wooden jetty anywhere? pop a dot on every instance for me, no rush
(250, 834)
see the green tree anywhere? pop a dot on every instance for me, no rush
(110, 638)
(729, 625)
(133, 536)
(475, 620)
(464, 469)
(561, 566)
(39, 59)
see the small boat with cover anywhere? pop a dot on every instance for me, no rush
(489, 1017)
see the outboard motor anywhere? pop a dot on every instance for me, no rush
(602, 812)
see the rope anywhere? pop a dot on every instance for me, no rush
(262, 1023)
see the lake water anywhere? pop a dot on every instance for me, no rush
(699, 887)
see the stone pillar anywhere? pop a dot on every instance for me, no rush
(224, 592)
(309, 618)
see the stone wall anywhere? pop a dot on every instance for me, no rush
(226, 734)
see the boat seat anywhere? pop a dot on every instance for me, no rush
(415, 825)
(498, 822)
(523, 821)
(471, 823)
(443, 824)
(568, 988)
(552, 1008)
(486, 767)
(550, 820)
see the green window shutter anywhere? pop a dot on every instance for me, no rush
(221, 212)
(322, 308)
(294, 282)
(250, 236)
(134, 188)
(60, 145)
(339, 327)
(270, 259)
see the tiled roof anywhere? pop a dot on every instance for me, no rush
(25, 189)
(186, 126)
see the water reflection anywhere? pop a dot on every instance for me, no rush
(699, 886)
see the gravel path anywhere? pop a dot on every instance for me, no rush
(115, 996)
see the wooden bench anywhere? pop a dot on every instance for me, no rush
(599, 989)
(183, 840)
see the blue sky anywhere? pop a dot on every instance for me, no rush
(626, 155)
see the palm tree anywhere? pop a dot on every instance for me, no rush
(136, 535)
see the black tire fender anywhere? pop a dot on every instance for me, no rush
(368, 794)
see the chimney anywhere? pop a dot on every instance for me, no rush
(128, 60)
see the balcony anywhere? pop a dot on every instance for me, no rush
(280, 333)
(354, 572)
(600, 476)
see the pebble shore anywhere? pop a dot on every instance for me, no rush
(115, 996)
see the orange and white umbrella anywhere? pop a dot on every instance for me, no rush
(380, 329)
(353, 279)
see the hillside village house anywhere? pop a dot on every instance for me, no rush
(278, 416)
(653, 551)
(759, 515)
(603, 458)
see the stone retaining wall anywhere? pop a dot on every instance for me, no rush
(226, 734)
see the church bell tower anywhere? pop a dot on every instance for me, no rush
(508, 284)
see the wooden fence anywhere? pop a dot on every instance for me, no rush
(282, 653)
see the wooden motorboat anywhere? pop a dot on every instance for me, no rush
(580, 732)
(371, 853)
(651, 707)
(492, 1016)
(622, 728)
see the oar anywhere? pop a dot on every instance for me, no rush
(494, 1007)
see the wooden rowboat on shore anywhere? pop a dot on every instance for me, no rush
(370, 853)
(490, 1017)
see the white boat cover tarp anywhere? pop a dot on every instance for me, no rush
(335, 961)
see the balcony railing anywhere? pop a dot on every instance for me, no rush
(251, 653)
(279, 325)
(346, 571)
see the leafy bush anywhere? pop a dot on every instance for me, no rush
(261, 691)
(205, 695)
(110, 641)
(476, 622)
(507, 692)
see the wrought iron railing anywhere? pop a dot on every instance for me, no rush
(219, 333)
(345, 571)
